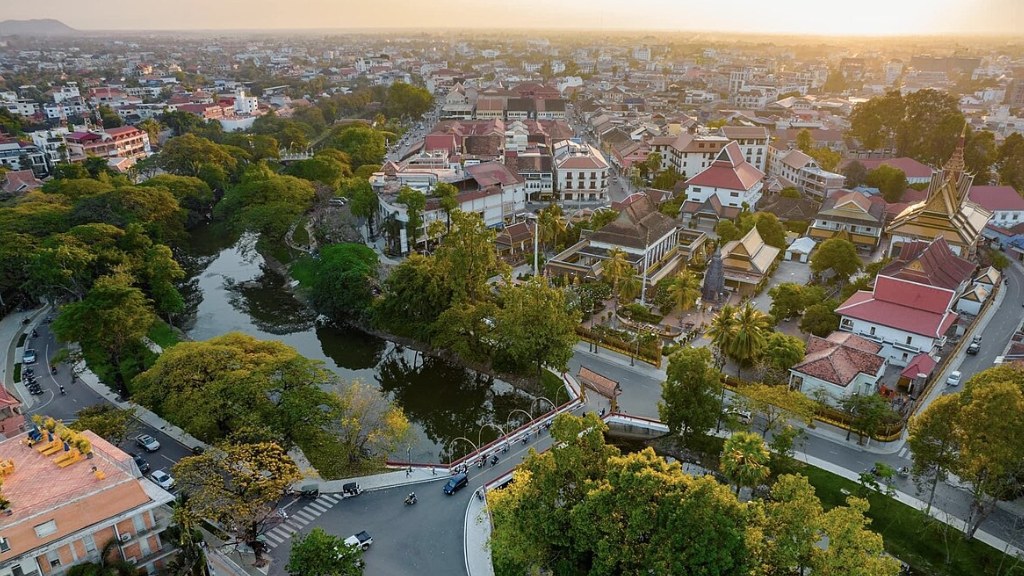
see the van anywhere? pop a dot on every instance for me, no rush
(455, 483)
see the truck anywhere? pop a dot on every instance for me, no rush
(361, 540)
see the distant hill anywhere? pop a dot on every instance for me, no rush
(41, 27)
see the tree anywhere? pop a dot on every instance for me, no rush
(778, 405)
(106, 421)
(727, 231)
(536, 325)
(1010, 161)
(112, 316)
(875, 123)
(181, 122)
(667, 180)
(414, 202)
(744, 460)
(448, 196)
(790, 192)
(152, 127)
(691, 395)
(770, 229)
(890, 181)
(933, 441)
(929, 130)
(616, 270)
(980, 154)
(342, 280)
(363, 144)
(790, 299)
(194, 196)
(868, 413)
(414, 296)
(820, 320)
(187, 155)
(856, 174)
(838, 256)
(804, 141)
(827, 158)
(852, 549)
(551, 225)
(323, 168)
(321, 554)
(722, 329)
(466, 258)
(749, 334)
(792, 515)
(783, 351)
(405, 100)
(237, 486)
(266, 202)
(109, 118)
(684, 290)
(161, 274)
(364, 201)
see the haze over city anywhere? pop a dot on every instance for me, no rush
(867, 17)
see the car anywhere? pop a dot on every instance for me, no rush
(361, 540)
(147, 443)
(976, 339)
(954, 378)
(162, 479)
(455, 483)
(973, 348)
(140, 462)
(28, 356)
(741, 416)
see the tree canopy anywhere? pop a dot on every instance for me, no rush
(691, 394)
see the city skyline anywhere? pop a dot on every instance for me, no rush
(867, 17)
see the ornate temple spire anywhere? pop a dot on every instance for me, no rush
(955, 165)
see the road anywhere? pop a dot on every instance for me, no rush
(78, 395)
(425, 538)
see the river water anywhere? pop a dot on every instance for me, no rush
(234, 290)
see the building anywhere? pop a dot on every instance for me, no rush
(18, 155)
(689, 154)
(851, 214)
(946, 211)
(581, 172)
(17, 182)
(67, 500)
(837, 367)
(730, 178)
(1005, 204)
(752, 140)
(125, 142)
(245, 105)
(11, 418)
(910, 308)
(803, 172)
(916, 172)
(748, 262)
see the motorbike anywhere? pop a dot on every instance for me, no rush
(410, 499)
(62, 392)
(480, 462)
(53, 369)
(494, 459)
(480, 494)
(903, 471)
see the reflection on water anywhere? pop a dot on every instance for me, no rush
(235, 291)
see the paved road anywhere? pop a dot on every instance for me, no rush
(426, 538)
(78, 395)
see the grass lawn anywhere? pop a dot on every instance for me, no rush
(163, 334)
(302, 270)
(21, 340)
(301, 236)
(929, 546)
(552, 385)
(17, 372)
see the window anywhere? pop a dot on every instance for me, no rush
(5, 546)
(734, 194)
(54, 558)
(46, 528)
(910, 339)
(872, 331)
(90, 545)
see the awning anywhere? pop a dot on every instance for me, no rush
(601, 384)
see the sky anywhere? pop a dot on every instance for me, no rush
(814, 17)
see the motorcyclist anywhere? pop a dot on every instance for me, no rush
(411, 498)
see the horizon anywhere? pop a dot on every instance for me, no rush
(868, 19)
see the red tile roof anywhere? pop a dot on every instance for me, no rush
(904, 306)
(840, 358)
(920, 364)
(930, 263)
(993, 198)
(912, 168)
(729, 171)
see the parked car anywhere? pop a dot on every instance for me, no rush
(455, 483)
(140, 462)
(28, 356)
(973, 348)
(147, 443)
(741, 416)
(162, 479)
(361, 540)
(954, 378)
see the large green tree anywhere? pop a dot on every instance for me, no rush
(691, 395)
(890, 181)
(266, 202)
(342, 280)
(318, 553)
(745, 460)
(838, 256)
(414, 202)
(536, 325)
(187, 156)
(466, 257)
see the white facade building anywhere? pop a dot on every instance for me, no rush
(581, 172)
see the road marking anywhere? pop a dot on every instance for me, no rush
(273, 538)
(322, 508)
(903, 452)
(329, 498)
(171, 460)
(305, 515)
(299, 522)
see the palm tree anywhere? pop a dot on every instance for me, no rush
(618, 272)
(684, 291)
(750, 333)
(722, 329)
(551, 224)
(110, 564)
(744, 460)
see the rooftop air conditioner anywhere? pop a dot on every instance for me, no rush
(126, 537)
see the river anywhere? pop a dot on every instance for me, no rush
(234, 290)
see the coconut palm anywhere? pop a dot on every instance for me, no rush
(684, 290)
(723, 328)
(750, 334)
(618, 272)
(745, 460)
(551, 224)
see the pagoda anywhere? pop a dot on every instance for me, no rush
(945, 213)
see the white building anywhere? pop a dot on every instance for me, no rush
(837, 367)
(688, 153)
(581, 172)
(730, 177)
(753, 141)
(245, 105)
(802, 171)
(66, 92)
(1005, 204)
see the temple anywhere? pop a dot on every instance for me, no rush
(945, 213)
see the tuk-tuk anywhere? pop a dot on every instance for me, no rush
(309, 491)
(350, 489)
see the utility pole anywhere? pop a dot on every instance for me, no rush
(643, 285)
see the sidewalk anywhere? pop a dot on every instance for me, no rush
(11, 329)
(476, 542)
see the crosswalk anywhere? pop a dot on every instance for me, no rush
(903, 452)
(299, 518)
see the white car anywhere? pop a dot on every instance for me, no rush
(162, 479)
(28, 356)
(954, 378)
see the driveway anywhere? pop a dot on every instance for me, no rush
(788, 271)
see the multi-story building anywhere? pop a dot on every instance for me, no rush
(688, 153)
(18, 155)
(802, 171)
(852, 215)
(1005, 204)
(75, 106)
(753, 142)
(67, 501)
(581, 172)
(124, 142)
(734, 181)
